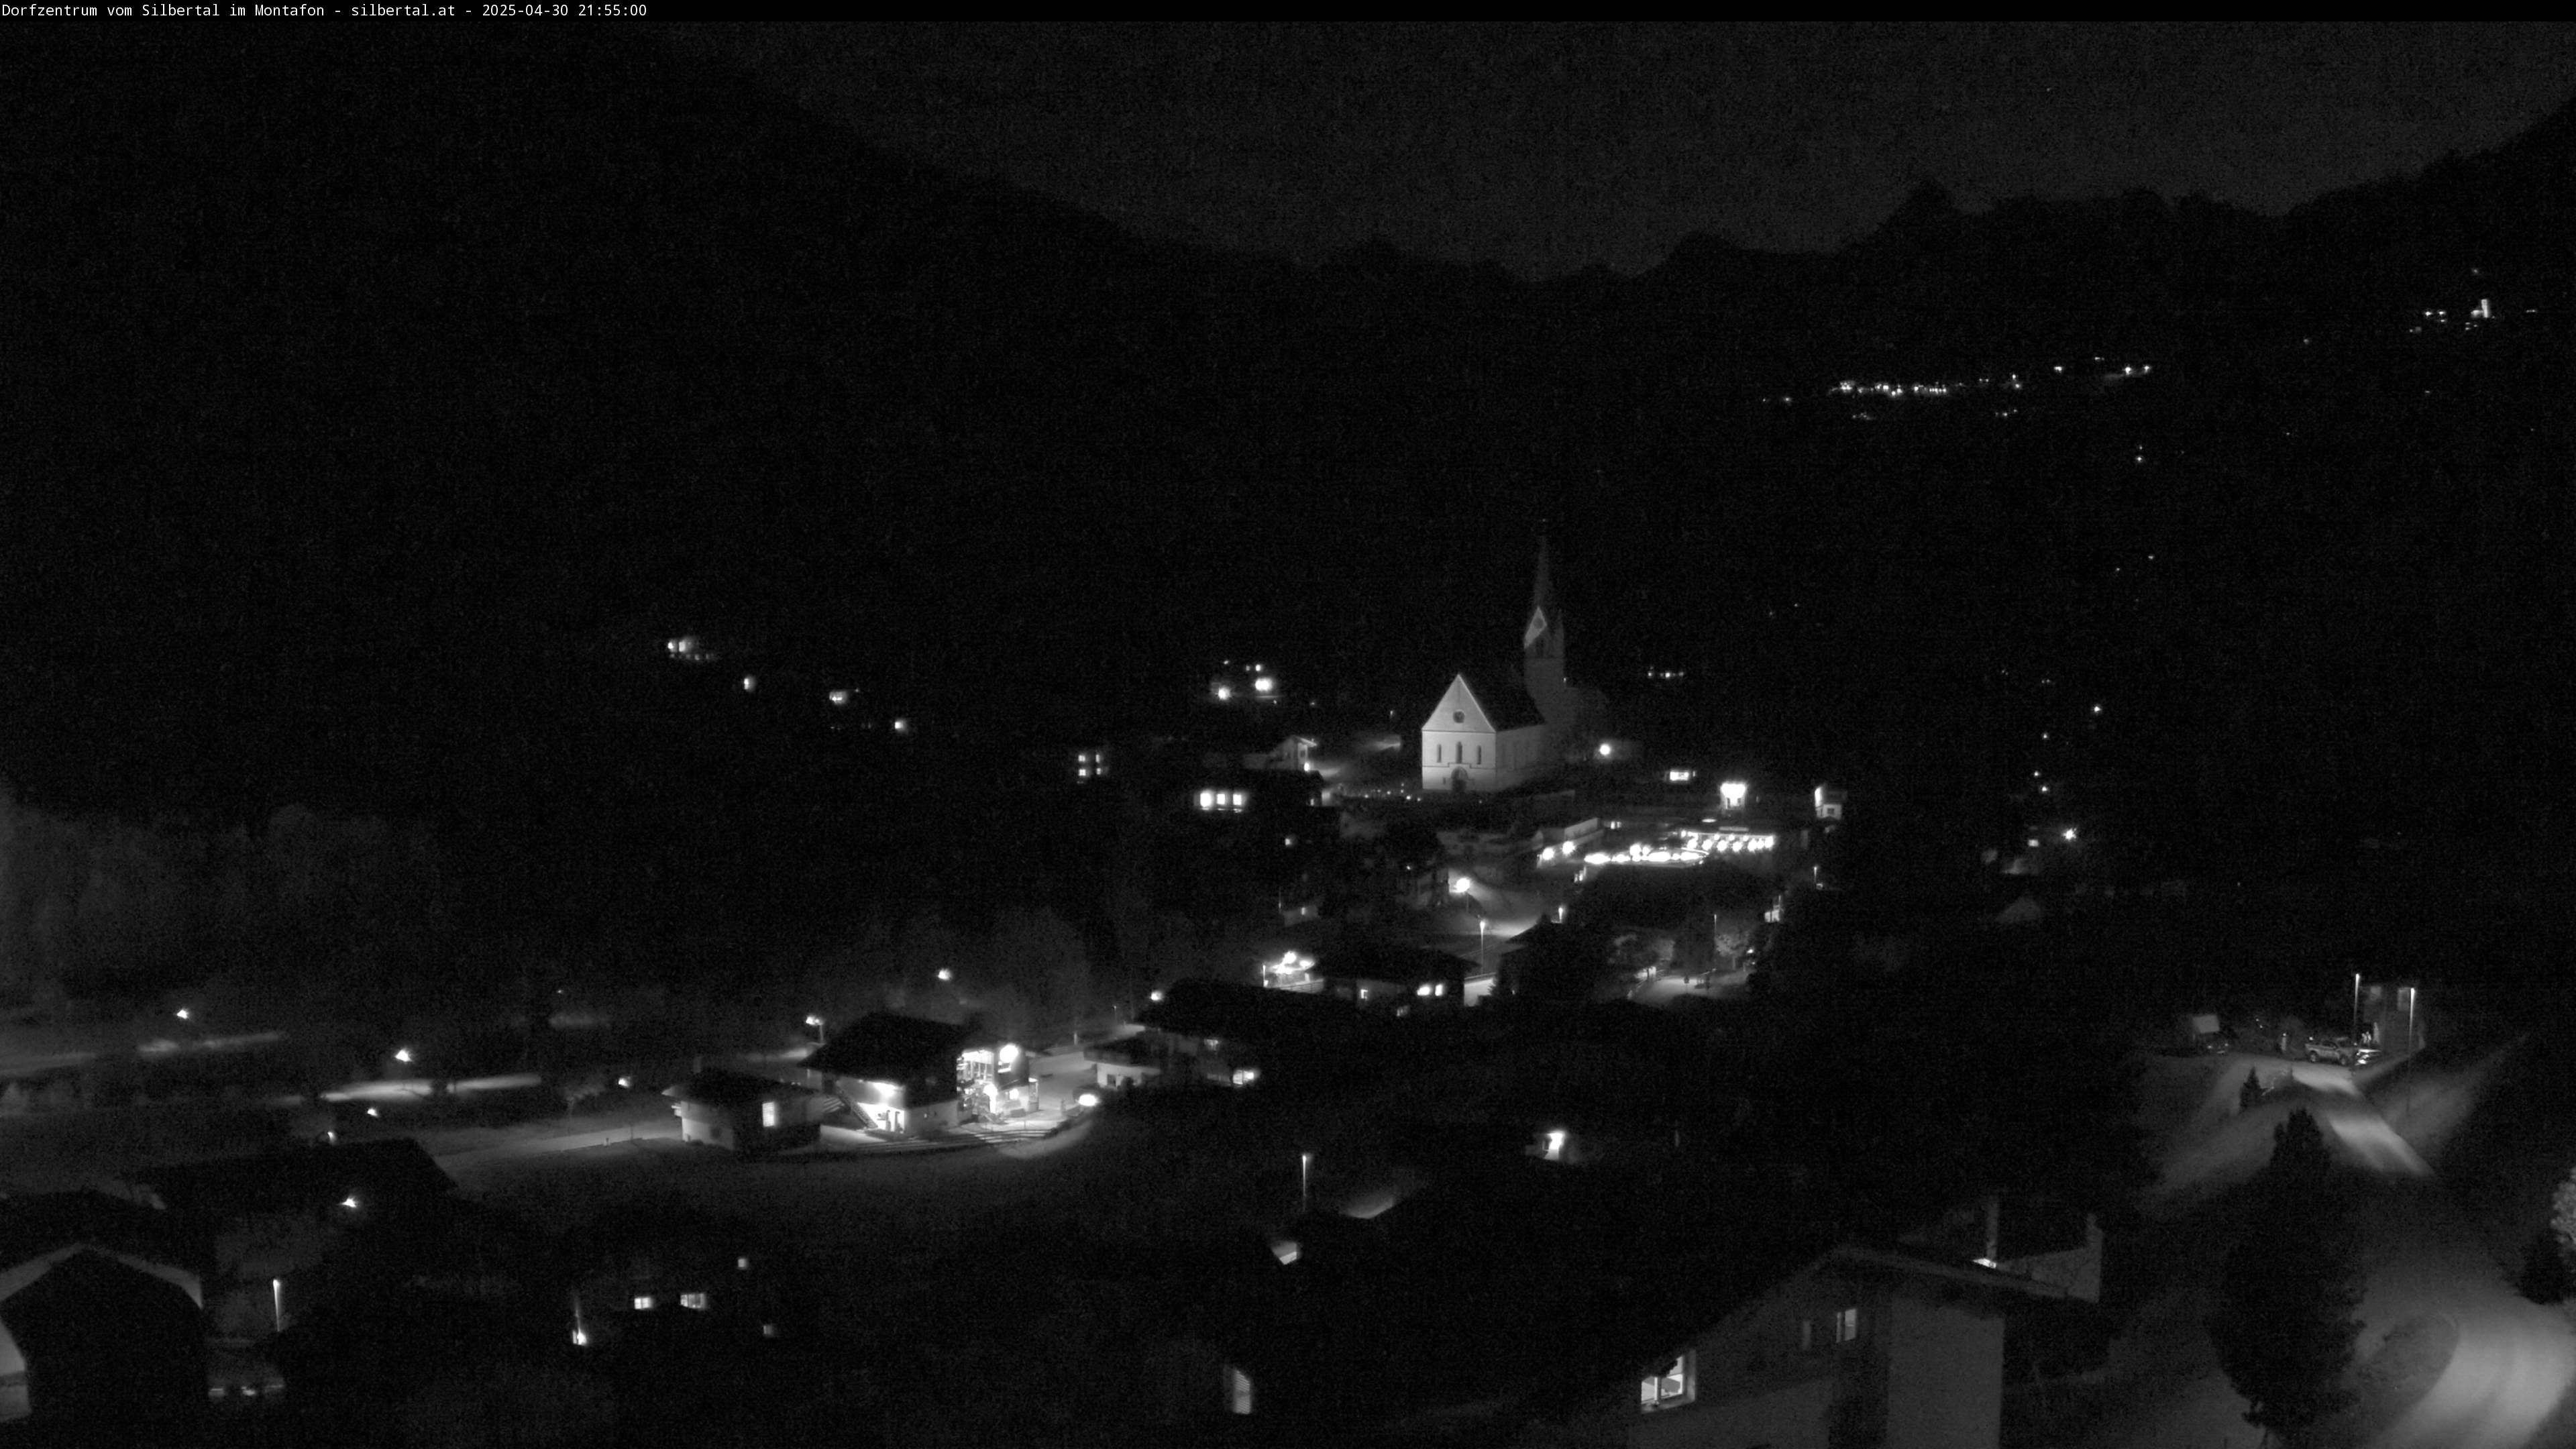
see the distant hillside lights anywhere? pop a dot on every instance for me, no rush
(690, 649)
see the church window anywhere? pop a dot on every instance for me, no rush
(1480, 754)
(1457, 716)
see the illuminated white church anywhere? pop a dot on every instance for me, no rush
(1502, 732)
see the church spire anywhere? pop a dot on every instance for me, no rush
(1544, 636)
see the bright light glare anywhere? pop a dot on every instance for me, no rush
(2068, 833)
(182, 1013)
(1460, 885)
(402, 1054)
(813, 1020)
(1155, 995)
(1087, 1099)
(947, 975)
(350, 1202)
(1264, 685)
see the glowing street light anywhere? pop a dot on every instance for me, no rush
(947, 975)
(1305, 1182)
(1459, 885)
(2356, 1008)
(181, 1013)
(402, 1054)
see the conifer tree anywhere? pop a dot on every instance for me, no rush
(2544, 1277)
(2285, 1328)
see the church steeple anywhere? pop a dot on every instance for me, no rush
(1543, 637)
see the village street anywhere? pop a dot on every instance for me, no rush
(2505, 1365)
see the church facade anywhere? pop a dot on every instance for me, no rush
(1491, 733)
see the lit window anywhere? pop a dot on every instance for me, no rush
(769, 1330)
(769, 1114)
(1669, 1389)
(643, 1302)
(1847, 1325)
(742, 1264)
(697, 1301)
(1238, 1390)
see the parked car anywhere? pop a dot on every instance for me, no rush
(2341, 1050)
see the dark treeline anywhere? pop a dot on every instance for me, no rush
(379, 403)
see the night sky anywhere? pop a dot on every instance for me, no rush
(1551, 148)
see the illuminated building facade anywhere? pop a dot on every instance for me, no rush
(1490, 733)
(913, 1077)
(1863, 1346)
(1483, 738)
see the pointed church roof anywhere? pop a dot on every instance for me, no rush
(1499, 699)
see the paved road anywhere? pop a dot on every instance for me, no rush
(2513, 1361)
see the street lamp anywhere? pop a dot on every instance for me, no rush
(1305, 1181)
(2356, 1008)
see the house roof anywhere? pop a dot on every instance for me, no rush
(35, 1225)
(301, 1179)
(1224, 1009)
(891, 1047)
(719, 1087)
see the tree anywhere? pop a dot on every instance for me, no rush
(2545, 1277)
(2562, 1213)
(2250, 1096)
(2285, 1328)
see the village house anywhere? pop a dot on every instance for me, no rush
(101, 1322)
(631, 1267)
(1862, 1346)
(1234, 1035)
(270, 1218)
(746, 1113)
(915, 1077)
